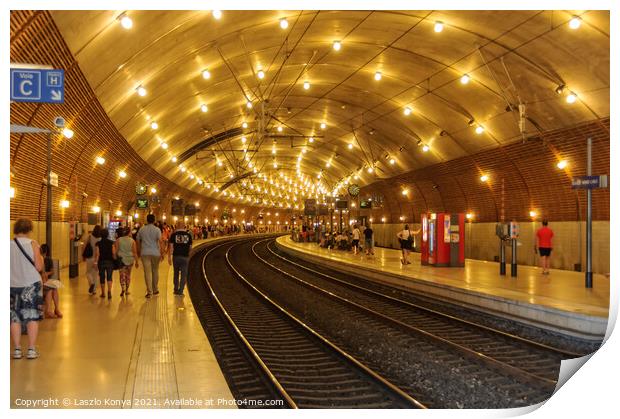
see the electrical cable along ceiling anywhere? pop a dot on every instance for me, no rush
(271, 107)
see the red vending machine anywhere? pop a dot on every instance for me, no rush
(443, 239)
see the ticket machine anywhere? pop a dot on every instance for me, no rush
(443, 239)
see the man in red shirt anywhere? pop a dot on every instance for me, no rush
(543, 242)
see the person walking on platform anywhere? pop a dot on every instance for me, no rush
(88, 255)
(50, 287)
(129, 255)
(180, 243)
(105, 254)
(355, 236)
(405, 236)
(543, 243)
(26, 288)
(148, 239)
(369, 241)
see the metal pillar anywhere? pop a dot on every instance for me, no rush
(502, 256)
(48, 212)
(589, 218)
(513, 262)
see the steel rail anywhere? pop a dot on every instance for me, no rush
(470, 353)
(431, 311)
(274, 381)
(358, 364)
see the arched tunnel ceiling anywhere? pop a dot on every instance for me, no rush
(512, 57)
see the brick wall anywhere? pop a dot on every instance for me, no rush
(36, 39)
(522, 177)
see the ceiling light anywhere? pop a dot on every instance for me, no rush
(154, 125)
(219, 163)
(96, 209)
(328, 164)
(280, 128)
(191, 176)
(378, 75)
(261, 74)
(174, 159)
(479, 129)
(469, 216)
(183, 169)
(407, 111)
(575, 22)
(438, 26)
(571, 98)
(560, 89)
(306, 85)
(405, 191)
(283, 23)
(562, 164)
(204, 108)
(243, 140)
(425, 148)
(68, 133)
(164, 146)
(465, 79)
(217, 14)
(153, 190)
(119, 213)
(122, 174)
(126, 22)
(248, 105)
(484, 178)
(206, 74)
(533, 214)
(311, 139)
(100, 160)
(64, 204)
(370, 169)
(275, 165)
(141, 91)
(323, 125)
(244, 125)
(350, 146)
(337, 45)
(392, 161)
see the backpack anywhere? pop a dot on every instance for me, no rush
(88, 250)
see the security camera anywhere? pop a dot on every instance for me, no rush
(84, 194)
(59, 121)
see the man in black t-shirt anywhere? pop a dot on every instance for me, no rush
(368, 241)
(180, 243)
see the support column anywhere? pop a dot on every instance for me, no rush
(589, 218)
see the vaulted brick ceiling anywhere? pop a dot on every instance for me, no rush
(511, 57)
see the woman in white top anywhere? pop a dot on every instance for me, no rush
(355, 242)
(26, 288)
(405, 236)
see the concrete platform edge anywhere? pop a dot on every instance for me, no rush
(548, 318)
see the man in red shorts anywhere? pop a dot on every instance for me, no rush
(543, 242)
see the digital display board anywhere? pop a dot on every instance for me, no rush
(142, 203)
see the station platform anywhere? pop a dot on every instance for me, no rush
(128, 352)
(558, 301)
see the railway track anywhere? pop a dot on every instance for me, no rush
(277, 356)
(526, 360)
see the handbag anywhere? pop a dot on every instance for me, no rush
(88, 250)
(118, 263)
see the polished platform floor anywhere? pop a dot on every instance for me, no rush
(125, 352)
(560, 290)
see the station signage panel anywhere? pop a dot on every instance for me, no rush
(342, 204)
(37, 85)
(589, 182)
(365, 203)
(177, 206)
(310, 207)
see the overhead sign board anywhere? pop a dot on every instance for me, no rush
(342, 204)
(310, 207)
(589, 182)
(177, 206)
(142, 203)
(37, 85)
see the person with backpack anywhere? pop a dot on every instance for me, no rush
(26, 288)
(405, 236)
(92, 273)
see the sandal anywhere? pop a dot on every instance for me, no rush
(58, 314)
